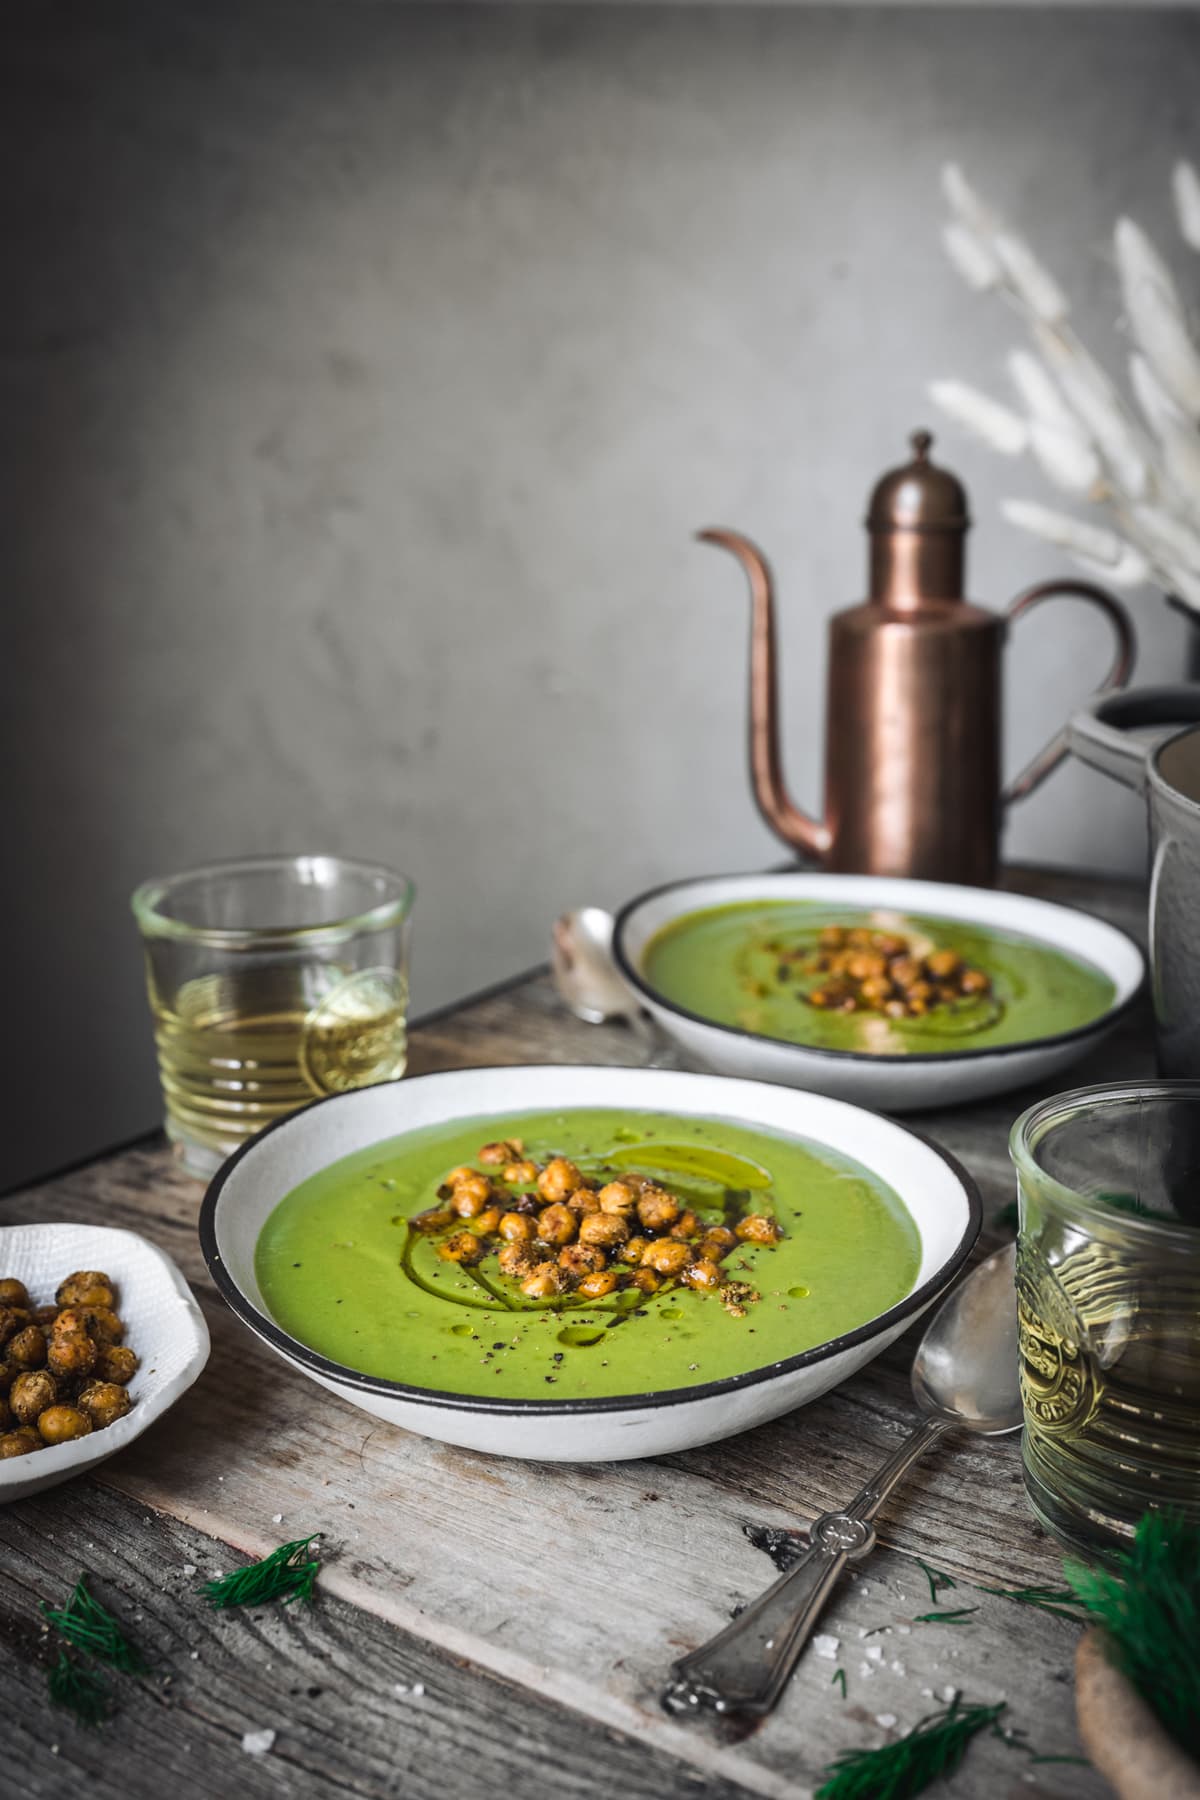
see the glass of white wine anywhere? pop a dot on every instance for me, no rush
(272, 982)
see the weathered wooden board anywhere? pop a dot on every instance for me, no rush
(581, 1584)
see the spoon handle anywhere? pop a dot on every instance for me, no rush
(745, 1668)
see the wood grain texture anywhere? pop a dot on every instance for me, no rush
(581, 1584)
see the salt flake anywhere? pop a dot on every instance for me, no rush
(824, 1645)
(257, 1743)
(875, 1654)
(885, 1721)
(277, 1518)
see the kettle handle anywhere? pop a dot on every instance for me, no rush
(1051, 754)
(1100, 734)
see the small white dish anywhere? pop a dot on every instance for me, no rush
(894, 1084)
(939, 1195)
(163, 1324)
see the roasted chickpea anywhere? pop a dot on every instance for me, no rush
(45, 1315)
(832, 937)
(889, 944)
(595, 1287)
(517, 1259)
(686, 1225)
(581, 1259)
(101, 1323)
(919, 990)
(605, 1229)
(618, 1198)
(86, 1287)
(712, 1249)
(702, 1274)
(668, 1257)
(896, 1009)
(19, 1443)
(435, 1219)
(59, 1424)
(757, 1229)
(657, 1209)
(71, 1353)
(104, 1402)
(521, 1174)
(488, 1220)
(634, 1250)
(13, 1292)
(647, 1280)
(502, 1152)
(30, 1395)
(463, 1247)
(559, 1178)
(28, 1348)
(867, 965)
(878, 991)
(545, 1281)
(973, 981)
(516, 1228)
(12, 1320)
(941, 964)
(116, 1362)
(557, 1225)
(904, 970)
(584, 1202)
(819, 998)
(470, 1196)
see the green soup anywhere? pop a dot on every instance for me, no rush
(743, 965)
(344, 1271)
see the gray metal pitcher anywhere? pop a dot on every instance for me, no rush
(1164, 764)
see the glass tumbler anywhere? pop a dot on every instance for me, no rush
(272, 982)
(1108, 1288)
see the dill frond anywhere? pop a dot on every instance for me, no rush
(958, 1616)
(286, 1575)
(79, 1690)
(1148, 1602)
(933, 1748)
(90, 1627)
(935, 1578)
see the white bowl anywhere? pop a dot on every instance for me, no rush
(163, 1325)
(940, 1197)
(893, 1083)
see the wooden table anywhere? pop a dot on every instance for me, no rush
(487, 1627)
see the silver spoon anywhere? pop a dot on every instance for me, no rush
(964, 1377)
(588, 980)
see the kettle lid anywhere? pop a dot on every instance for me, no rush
(918, 496)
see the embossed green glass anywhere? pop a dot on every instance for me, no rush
(1108, 1285)
(272, 982)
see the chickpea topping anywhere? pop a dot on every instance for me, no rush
(71, 1353)
(86, 1287)
(436, 1219)
(116, 1362)
(488, 1220)
(702, 1274)
(516, 1228)
(471, 1196)
(605, 1229)
(597, 1286)
(667, 1257)
(506, 1151)
(657, 1209)
(647, 1280)
(686, 1225)
(719, 1237)
(45, 1315)
(31, 1394)
(545, 1281)
(521, 1174)
(14, 1293)
(583, 1202)
(28, 1348)
(582, 1259)
(462, 1173)
(756, 1229)
(104, 1402)
(517, 1259)
(463, 1247)
(973, 981)
(59, 1424)
(878, 972)
(557, 1225)
(618, 1198)
(558, 1179)
(19, 1443)
(941, 964)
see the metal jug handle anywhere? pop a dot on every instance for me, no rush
(1099, 734)
(1051, 754)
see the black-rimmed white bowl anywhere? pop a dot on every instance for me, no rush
(895, 1084)
(939, 1195)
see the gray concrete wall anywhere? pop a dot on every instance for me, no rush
(367, 370)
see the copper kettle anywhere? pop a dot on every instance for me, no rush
(912, 762)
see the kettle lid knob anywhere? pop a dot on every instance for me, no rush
(918, 496)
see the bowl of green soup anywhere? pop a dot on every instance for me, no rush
(583, 1264)
(893, 994)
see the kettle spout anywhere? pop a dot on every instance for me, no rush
(770, 790)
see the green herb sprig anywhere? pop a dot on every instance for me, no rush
(90, 1627)
(933, 1748)
(1148, 1602)
(935, 1578)
(839, 1680)
(1062, 1602)
(80, 1690)
(286, 1575)
(958, 1616)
